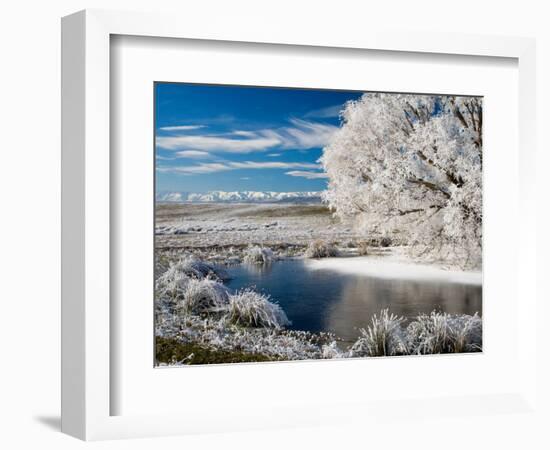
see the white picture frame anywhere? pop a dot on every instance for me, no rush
(87, 386)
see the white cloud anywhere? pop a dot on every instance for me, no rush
(193, 154)
(302, 135)
(203, 168)
(216, 144)
(182, 128)
(306, 174)
(307, 134)
(273, 155)
(244, 133)
(199, 169)
(272, 165)
(245, 178)
(324, 113)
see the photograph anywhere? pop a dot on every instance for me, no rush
(314, 224)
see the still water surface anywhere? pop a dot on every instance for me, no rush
(326, 300)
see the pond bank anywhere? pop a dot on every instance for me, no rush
(395, 267)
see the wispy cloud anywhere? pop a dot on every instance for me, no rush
(164, 158)
(306, 134)
(182, 128)
(243, 133)
(325, 113)
(193, 154)
(273, 155)
(272, 165)
(203, 168)
(198, 169)
(306, 174)
(302, 135)
(216, 144)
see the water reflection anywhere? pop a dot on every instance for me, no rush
(258, 269)
(326, 300)
(363, 296)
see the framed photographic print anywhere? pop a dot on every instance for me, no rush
(288, 224)
(295, 224)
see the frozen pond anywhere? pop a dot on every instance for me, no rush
(320, 296)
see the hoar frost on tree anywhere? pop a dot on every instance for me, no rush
(410, 167)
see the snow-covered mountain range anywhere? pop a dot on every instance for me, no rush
(239, 197)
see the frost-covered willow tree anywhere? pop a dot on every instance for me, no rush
(409, 167)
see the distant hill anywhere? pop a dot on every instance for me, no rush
(239, 197)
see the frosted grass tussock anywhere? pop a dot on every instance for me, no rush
(171, 286)
(258, 255)
(193, 267)
(203, 296)
(320, 249)
(444, 333)
(331, 351)
(173, 282)
(427, 334)
(467, 332)
(383, 337)
(251, 309)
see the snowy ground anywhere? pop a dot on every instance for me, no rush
(395, 267)
(227, 228)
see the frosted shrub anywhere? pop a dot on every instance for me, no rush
(385, 242)
(258, 255)
(384, 337)
(363, 248)
(467, 333)
(251, 309)
(192, 267)
(444, 333)
(430, 334)
(161, 265)
(331, 351)
(321, 249)
(203, 296)
(172, 285)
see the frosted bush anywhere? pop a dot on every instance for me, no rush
(467, 332)
(203, 296)
(429, 334)
(330, 351)
(383, 337)
(171, 285)
(444, 333)
(251, 309)
(258, 255)
(363, 248)
(162, 264)
(192, 267)
(321, 249)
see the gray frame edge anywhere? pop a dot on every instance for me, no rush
(73, 103)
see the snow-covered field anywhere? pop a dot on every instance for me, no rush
(215, 227)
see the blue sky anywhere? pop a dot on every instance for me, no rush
(236, 138)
